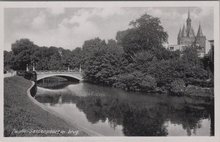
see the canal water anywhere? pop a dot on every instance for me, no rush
(113, 112)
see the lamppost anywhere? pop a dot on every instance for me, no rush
(68, 69)
(33, 67)
(68, 65)
(80, 69)
(27, 69)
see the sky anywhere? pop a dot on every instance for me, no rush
(70, 27)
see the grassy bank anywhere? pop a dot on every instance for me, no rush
(23, 118)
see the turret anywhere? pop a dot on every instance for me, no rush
(189, 29)
(201, 39)
(183, 31)
(199, 33)
(179, 36)
(180, 33)
(188, 21)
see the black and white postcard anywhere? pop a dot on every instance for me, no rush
(110, 71)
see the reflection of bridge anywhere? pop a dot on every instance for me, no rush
(65, 74)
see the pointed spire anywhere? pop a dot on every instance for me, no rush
(199, 33)
(188, 21)
(183, 31)
(180, 33)
(188, 14)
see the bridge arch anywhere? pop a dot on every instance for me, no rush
(70, 77)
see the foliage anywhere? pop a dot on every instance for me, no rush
(137, 61)
(190, 56)
(177, 87)
(101, 65)
(22, 45)
(8, 55)
(146, 34)
(25, 52)
(135, 81)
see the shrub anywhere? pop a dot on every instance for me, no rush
(148, 83)
(177, 87)
(135, 81)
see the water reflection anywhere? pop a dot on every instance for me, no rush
(111, 111)
(55, 82)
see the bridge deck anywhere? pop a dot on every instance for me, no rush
(74, 75)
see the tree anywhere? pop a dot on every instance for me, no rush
(146, 33)
(101, 67)
(76, 58)
(23, 50)
(190, 55)
(21, 45)
(93, 45)
(8, 55)
(112, 44)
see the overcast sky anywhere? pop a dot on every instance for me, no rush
(70, 27)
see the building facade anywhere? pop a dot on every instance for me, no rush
(187, 37)
(175, 47)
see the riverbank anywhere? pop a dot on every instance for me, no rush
(23, 118)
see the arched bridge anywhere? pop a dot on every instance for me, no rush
(65, 74)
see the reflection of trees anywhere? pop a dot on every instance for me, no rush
(53, 99)
(136, 121)
(192, 119)
(33, 90)
(212, 127)
(55, 82)
(190, 114)
(99, 108)
(139, 117)
(189, 118)
(92, 107)
(144, 122)
(140, 120)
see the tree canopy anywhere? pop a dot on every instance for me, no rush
(146, 33)
(135, 61)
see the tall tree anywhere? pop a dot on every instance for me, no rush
(93, 46)
(146, 33)
(23, 50)
(8, 55)
(21, 45)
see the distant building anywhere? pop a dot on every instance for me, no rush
(187, 38)
(211, 51)
(175, 47)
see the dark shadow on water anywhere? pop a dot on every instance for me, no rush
(33, 90)
(139, 115)
(141, 120)
(55, 82)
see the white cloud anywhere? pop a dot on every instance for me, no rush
(48, 28)
(79, 26)
(56, 10)
(205, 11)
(39, 21)
(72, 31)
(106, 12)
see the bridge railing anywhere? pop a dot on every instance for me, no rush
(56, 71)
(73, 74)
